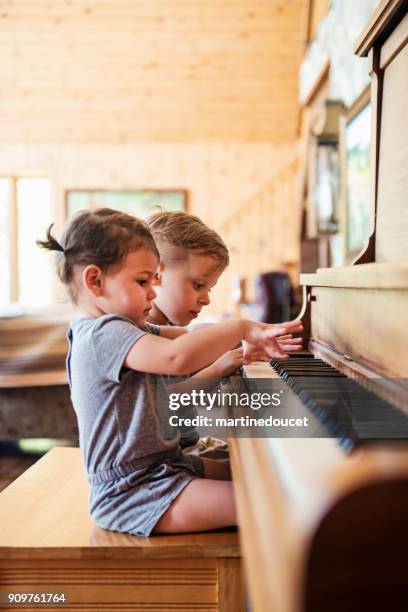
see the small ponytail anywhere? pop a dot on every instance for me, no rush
(102, 237)
(51, 244)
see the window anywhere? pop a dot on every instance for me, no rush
(357, 140)
(327, 187)
(5, 242)
(139, 202)
(25, 270)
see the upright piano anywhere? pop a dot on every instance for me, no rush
(324, 526)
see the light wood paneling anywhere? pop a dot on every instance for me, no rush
(317, 10)
(152, 70)
(263, 235)
(222, 179)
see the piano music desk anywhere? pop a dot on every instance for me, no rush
(48, 543)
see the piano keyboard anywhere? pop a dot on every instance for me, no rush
(348, 411)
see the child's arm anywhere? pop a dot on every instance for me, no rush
(192, 352)
(232, 360)
(224, 365)
(287, 343)
(171, 331)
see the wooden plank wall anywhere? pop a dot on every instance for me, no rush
(150, 70)
(160, 94)
(317, 10)
(264, 234)
(221, 179)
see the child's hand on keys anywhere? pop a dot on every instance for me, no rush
(273, 340)
(287, 343)
(229, 362)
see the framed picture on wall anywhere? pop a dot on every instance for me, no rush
(357, 138)
(138, 202)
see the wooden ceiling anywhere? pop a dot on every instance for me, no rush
(149, 70)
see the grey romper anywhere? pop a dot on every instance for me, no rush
(135, 467)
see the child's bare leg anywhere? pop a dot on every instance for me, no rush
(203, 505)
(217, 470)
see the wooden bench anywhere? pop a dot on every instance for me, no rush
(48, 543)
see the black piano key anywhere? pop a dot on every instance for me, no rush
(346, 409)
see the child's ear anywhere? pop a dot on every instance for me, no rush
(92, 280)
(158, 278)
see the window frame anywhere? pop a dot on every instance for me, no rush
(14, 285)
(114, 190)
(361, 102)
(14, 288)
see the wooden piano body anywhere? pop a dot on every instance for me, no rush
(323, 530)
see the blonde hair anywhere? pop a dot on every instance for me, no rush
(178, 232)
(103, 237)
